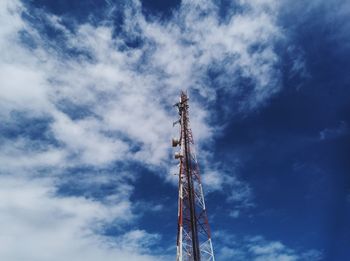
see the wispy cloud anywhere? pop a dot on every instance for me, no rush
(332, 133)
(102, 102)
(258, 248)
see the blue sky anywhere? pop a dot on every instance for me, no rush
(87, 88)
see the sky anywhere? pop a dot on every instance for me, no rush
(86, 106)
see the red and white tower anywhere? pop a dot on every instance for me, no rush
(193, 235)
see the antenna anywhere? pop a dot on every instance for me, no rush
(193, 235)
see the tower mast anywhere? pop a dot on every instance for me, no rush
(193, 235)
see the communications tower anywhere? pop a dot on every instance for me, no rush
(193, 235)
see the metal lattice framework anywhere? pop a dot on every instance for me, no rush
(193, 236)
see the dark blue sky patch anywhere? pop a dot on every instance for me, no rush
(28, 40)
(38, 19)
(51, 37)
(82, 11)
(271, 144)
(74, 111)
(228, 8)
(155, 210)
(22, 125)
(287, 133)
(151, 189)
(299, 176)
(71, 14)
(159, 8)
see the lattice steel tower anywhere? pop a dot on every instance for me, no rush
(193, 235)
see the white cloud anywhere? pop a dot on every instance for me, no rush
(42, 226)
(126, 95)
(258, 248)
(214, 180)
(123, 99)
(84, 138)
(186, 49)
(19, 155)
(271, 251)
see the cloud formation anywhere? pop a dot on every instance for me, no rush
(102, 98)
(39, 225)
(257, 248)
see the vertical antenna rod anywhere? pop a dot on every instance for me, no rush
(193, 235)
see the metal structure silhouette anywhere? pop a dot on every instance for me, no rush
(193, 235)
